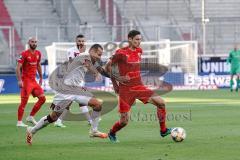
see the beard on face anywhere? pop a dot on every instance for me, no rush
(80, 46)
(33, 46)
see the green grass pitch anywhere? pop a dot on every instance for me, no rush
(210, 118)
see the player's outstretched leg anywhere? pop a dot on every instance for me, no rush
(97, 107)
(124, 118)
(43, 122)
(161, 114)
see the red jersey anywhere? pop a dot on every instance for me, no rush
(127, 63)
(29, 63)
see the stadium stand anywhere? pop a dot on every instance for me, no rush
(34, 18)
(6, 20)
(50, 20)
(100, 31)
(6, 65)
(181, 20)
(224, 27)
(171, 17)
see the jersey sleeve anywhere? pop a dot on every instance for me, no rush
(21, 58)
(118, 57)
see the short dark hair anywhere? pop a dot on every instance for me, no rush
(133, 33)
(96, 46)
(80, 36)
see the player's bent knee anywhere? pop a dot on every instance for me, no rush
(161, 105)
(42, 99)
(95, 104)
(158, 101)
(98, 104)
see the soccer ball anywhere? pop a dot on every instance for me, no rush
(178, 134)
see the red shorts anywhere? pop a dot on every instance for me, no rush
(128, 95)
(31, 87)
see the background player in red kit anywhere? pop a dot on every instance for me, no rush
(125, 64)
(28, 65)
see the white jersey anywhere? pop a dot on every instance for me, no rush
(76, 76)
(74, 52)
(67, 77)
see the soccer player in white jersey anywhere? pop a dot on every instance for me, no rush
(73, 52)
(64, 80)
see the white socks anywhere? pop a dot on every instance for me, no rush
(85, 111)
(95, 120)
(43, 122)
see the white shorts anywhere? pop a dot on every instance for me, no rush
(62, 101)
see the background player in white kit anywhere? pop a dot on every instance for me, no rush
(73, 52)
(65, 81)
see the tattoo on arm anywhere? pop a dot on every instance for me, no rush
(103, 72)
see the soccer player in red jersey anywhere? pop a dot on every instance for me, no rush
(125, 70)
(27, 66)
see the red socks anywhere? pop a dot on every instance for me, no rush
(21, 107)
(37, 106)
(116, 127)
(161, 114)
